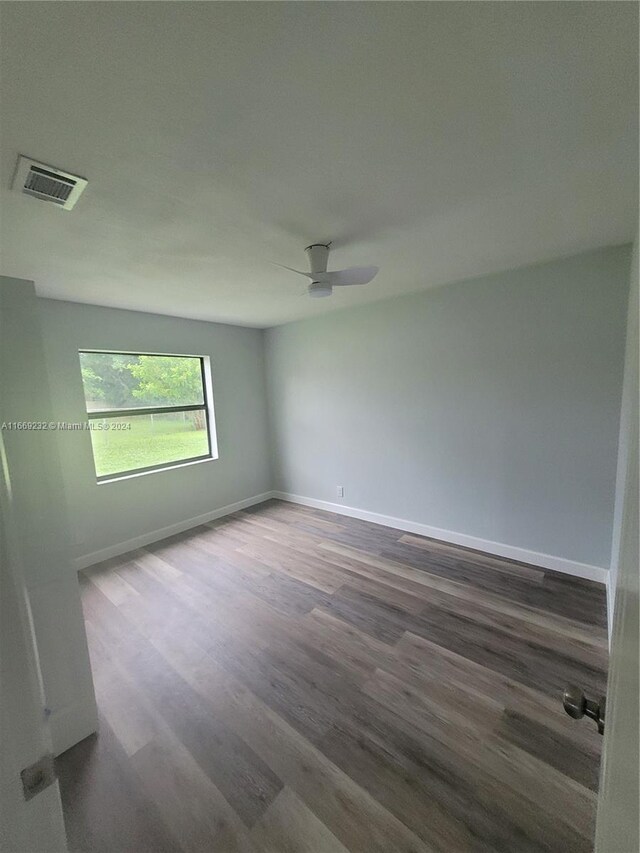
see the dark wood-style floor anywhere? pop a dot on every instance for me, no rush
(286, 679)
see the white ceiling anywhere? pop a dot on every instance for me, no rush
(439, 141)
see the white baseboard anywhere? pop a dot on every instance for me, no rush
(156, 535)
(498, 549)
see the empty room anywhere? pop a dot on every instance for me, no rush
(319, 427)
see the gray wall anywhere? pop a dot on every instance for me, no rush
(104, 515)
(488, 408)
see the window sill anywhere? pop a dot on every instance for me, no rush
(171, 467)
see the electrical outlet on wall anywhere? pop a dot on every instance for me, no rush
(340, 491)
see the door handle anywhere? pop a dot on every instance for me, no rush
(577, 706)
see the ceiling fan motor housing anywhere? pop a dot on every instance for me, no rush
(318, 289)
(318, 254)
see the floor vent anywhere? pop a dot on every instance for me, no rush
(48, 183)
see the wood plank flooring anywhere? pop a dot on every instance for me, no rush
(286, 679)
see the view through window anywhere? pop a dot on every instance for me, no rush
(145, 411)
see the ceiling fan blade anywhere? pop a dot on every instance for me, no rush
(353, 275)
(291, 269)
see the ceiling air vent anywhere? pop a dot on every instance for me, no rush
(48, 183)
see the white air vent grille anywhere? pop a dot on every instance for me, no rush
(48, 183)
(44, 184)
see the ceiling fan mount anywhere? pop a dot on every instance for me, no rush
(322, 280)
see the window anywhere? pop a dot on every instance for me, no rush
(147, 412)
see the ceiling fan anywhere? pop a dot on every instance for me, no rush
(323, 281)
